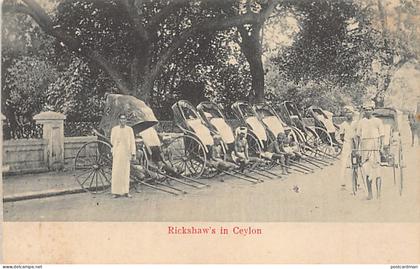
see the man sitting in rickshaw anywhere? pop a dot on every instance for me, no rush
(288, 149)
(217, 159)
(156, 156)
(240, 154)
(283, 147)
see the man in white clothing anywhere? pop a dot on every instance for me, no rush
(370, 132)
(123, 150)
(347, 133)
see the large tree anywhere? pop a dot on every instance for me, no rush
(356, 44)
(333, 43)
(133, 41)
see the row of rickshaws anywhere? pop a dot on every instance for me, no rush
(172, 163)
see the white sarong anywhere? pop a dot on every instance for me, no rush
(123, 146)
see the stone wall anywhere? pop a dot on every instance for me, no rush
(25, 155)
(30, 155)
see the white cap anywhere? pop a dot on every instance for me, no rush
(241, 130)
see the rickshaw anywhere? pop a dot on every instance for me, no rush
(191, 123)
(93, 162)
(259, 133)
(216, 120)
(275, 125)
(323, 121)
(314, 141)
(392, 154)
(212, 114)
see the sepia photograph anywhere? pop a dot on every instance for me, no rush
(201, 111)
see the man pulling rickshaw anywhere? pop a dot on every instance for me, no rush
(369, 137)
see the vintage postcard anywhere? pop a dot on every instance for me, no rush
(210, 131)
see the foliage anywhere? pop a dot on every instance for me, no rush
(232, 83)
(211, 68)
(334, 43)
(343, 51)
(324, 94)
(75, 94)
(197, 51)
(26, 81)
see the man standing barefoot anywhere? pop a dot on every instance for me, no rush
(370, 132)
(123, 150)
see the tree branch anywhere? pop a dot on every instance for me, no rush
(269, 8)
(165, 12)
(248, 6)
(141, 56)
(16, 8)
(207, 25)
(134, 17)
(46, 24)
(175, 5)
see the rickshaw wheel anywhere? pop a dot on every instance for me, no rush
(92, 165)
(312, 141)
(298, 135)
(188, 156)
(299, 138)
(401, 165)
(254, 147)
(325, 143)
(354, 180)
(394, 170)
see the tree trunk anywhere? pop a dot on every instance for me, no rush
(145, 90)
(379, 98)
(252, 49)
(257, 74)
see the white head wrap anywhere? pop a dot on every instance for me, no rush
(241, 130)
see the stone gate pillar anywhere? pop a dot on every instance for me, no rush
(53, 132)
